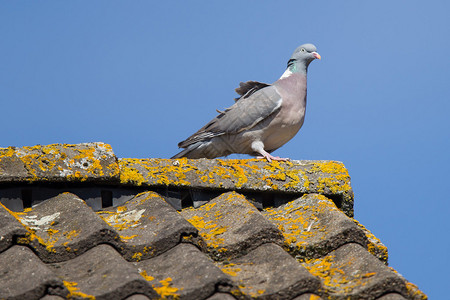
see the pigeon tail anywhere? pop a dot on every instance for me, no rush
(181, 154)
(203, 149)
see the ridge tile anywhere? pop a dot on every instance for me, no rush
(59, 162)
(295, 177)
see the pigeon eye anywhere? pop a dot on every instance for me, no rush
(303, 50)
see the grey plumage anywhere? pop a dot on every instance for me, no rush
(261, 120)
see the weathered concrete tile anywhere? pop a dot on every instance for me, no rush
(184, 272)
(221, 296)
(24, 276)
(392, 296)
(351, 272)
(148, 226)
(102, 273)
(59, 162)
(374, 245)
(268, 272)
(10, 228)
(308, 296)
(231, 226)
(300, 177)
(64, 227)
(313, 226)
(52, 297)
(138, 297)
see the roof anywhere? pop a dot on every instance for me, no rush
(76, 222)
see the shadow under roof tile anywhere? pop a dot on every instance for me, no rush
(63, 227)
(103, 273)
(313, 226)
(184, 272)
(148, 226)
(24, 276)
(352, 272)
(231, 226)
(268, 272)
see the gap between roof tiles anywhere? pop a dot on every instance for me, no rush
(18, 197)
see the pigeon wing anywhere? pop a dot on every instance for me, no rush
(243, 115)
(246, 89)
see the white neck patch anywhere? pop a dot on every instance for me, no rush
(286, 74)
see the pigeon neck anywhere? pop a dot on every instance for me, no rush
(297, 67)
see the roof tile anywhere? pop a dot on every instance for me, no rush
(56, 232)
(59, 162)
(230, 225)
(10, 228)
(268, 272)
(298, 177)
(265, 230)
(102, 273)
(184, 272)
(24, 276)
(352, 272)
(148, 226)
(313, 226)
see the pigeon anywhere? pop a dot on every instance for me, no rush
(263, 118)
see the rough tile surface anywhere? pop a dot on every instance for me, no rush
(313, 226)
(57, 233)
(244, 229)
(268, 272)
(102, 273)
(298, 177)
(187, 272)
(59, 162)
(148, 226)
(230, 226)
(24, 276)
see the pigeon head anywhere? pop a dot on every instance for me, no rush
(302, 57)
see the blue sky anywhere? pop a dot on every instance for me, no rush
(144, 75)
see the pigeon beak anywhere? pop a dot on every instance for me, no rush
(317, 55)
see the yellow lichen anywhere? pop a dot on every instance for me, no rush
(137, 256)
(166, 290)
(414, 291)
(298, 222)
(335, 275)
(146, 276)
(337, 179)
(230, 269)
(39, 160)
(126, 238)
(374, 245)
(74, 292)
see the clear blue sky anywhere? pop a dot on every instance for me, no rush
(144, 75)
